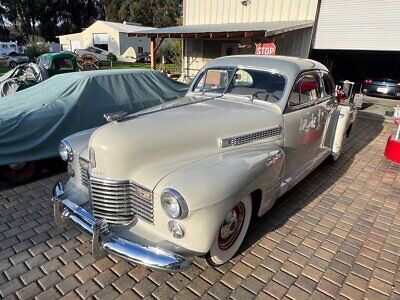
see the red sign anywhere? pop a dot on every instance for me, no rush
(265, 49)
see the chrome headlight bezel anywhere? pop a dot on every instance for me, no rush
(65, 151)
(174, 204)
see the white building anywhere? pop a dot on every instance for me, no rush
(359, 39)
(109, 36)
(214, 28)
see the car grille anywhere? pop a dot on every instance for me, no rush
(118, 202)
(247, 138)
(84, 165)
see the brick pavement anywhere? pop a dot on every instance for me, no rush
(336, 235)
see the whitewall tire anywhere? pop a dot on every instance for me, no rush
(231, 233)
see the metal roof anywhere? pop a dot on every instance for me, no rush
(226, 30)
(287, 64)
(125, 27)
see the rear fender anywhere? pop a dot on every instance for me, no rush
(345, 119)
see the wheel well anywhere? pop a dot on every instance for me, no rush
(349, 130)
(256, 197)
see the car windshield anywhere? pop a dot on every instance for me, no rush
(214, 81)
(257, 84)
(261, 85)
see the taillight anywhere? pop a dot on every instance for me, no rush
(368, 81)
(398, 84)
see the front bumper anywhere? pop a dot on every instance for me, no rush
(103, 241)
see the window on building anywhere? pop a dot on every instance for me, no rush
(140, 50)
(100, 40)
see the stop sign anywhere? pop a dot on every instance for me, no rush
(265, 49)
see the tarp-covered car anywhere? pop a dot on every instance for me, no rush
(33, 121)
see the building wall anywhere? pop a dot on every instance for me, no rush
(118, 42)
(359, 25)
(196, 12)
(198, 52)
(134, 42)
(233, 11)
(66, 41)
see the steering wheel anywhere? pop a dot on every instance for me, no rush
(255, 95)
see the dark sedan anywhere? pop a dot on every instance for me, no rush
(382, 87)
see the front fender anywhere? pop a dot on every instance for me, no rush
(80, 140)
(213, 185)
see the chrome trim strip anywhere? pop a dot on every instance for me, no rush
(103, 241)
(250, 137)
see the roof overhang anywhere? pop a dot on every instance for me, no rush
(218, 31)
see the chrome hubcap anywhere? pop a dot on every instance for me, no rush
(17, 167)
(231, 227)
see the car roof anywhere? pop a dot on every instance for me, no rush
(284, 64)
(58, 55)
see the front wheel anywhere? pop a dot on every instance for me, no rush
(18, 173)
(231, 233)
(13, 64)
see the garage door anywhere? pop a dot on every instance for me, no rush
(75, 44)
(358, 25)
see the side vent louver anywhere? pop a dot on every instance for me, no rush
(248, 138)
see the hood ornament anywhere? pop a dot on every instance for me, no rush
(115, 116)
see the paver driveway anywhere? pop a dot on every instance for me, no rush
(337, 234)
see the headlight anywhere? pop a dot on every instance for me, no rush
(65, 151)
(173, 204)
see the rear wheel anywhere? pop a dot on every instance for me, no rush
(231, 233)
(13, 64)
(18, 173)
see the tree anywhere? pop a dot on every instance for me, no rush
(154, 13)
(166, 13)
(23, 14)
(4, 31)
(110, 10)
(49, 18)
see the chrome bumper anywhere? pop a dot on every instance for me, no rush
(103, 241)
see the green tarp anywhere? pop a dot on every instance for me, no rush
(33, 121)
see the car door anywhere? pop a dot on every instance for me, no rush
(328, 104)
(304, 124)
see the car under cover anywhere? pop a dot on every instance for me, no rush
(33, 121)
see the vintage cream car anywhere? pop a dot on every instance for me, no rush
(184, 179)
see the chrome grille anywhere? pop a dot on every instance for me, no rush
(118, 202)
(247, 138)
(84, 166)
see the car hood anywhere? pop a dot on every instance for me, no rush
(149, 147)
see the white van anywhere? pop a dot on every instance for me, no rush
(8, 47)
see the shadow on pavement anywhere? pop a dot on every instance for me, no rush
(315, 184)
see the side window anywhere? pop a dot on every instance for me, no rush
(307, 89)
(329, 84)
(62, 64)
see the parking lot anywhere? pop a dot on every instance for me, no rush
(336, 235)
